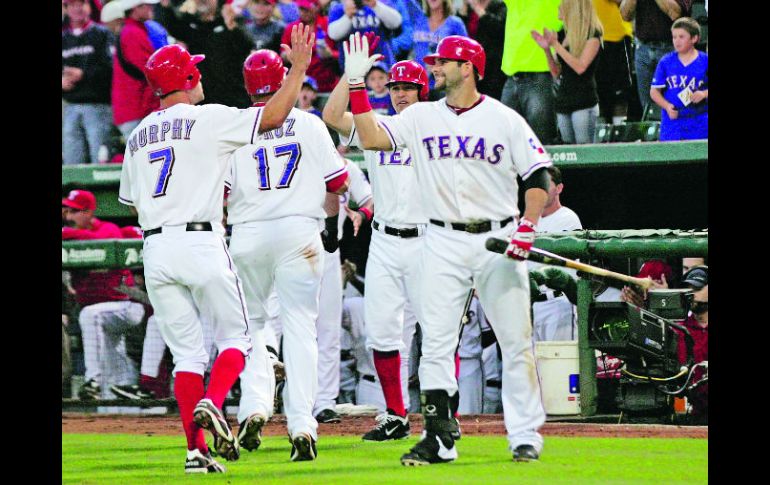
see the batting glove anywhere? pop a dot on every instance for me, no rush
(521, 240)
(358, 62)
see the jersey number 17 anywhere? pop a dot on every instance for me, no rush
(292, 152)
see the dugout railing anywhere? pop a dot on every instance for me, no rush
(588, 245)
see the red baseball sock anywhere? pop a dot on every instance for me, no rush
(388, 365)
(225, 371)
(188, 389)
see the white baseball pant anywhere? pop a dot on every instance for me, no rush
(190, 276)
(285, 254)
(103, 326)
(329, 325)
(454, 262)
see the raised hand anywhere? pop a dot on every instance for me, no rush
(301, 51)
(357, 58)
(373, 40)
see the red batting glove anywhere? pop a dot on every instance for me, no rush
(373, 41)
(521, 240)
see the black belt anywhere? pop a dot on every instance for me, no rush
(523, 74)
(369, 378)
(471, 227)
(413, 232)
(191, 226)
(546, 297)
(494, 383)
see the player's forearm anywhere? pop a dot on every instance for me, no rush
(277, 109)
(534, 203)
(628, 10)
(670, 8)
(371, 135)
(334, 114)
(332, 205)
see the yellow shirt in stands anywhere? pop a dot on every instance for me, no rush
(520, 52)
(615, 28)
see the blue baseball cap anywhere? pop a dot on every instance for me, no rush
(309, 81)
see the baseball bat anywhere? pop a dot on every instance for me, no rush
(541, 256)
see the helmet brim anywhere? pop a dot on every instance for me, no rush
(196, 59)
(430, 59)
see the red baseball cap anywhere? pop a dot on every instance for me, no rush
(80, 200)
(308, 4)
(655, 268)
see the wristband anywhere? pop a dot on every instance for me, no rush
(367, 213)
(359, 102)
(526, 222)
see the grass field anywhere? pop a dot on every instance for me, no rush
(136, 459)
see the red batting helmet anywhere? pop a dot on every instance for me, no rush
(172, 68)
(263, 72)
(409, 72)
(460, 48)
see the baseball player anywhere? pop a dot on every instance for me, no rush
(173, 174)
(553, 315)
(329, 320)
(277, 190)
(394, 252)
(106, 314)
(468, 150)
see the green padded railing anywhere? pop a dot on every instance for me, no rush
(120, 253)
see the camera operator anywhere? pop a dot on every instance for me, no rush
(697, 322)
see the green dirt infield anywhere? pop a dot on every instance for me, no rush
(123, 459)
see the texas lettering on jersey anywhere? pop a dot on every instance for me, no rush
(468, 147)
(393, 158)
(679, 81)
(157, 133)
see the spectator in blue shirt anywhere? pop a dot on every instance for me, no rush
(376, 16)
(431, 23)
(289, 11)
(680, 86)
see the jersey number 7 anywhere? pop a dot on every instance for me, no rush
(165, 155)
(292, 151)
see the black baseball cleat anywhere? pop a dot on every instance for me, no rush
(390, 426)
(328, 416)
(133, 392)
(525, 453)
(250, 432)
(198, 462)
(209, 417)
(303, 447)
(456, 435)
(433, 448)
(90, 391)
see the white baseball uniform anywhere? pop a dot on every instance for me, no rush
(556, 317)
(173, 172)
(392, 268)
(103, 327)
(277, 190)
(330, 313)
(369, 389)
(467, 165)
